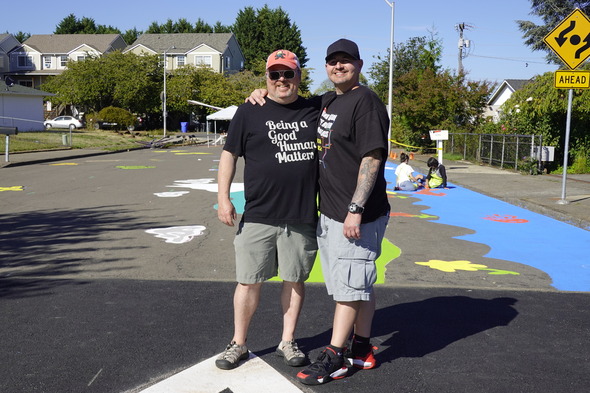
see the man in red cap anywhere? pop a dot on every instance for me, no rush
(277, 231)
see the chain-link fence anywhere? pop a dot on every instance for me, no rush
(505, 151)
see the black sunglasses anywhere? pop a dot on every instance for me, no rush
(276, 75)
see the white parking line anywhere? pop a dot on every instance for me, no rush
(252, 376)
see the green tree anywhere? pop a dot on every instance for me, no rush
(417, 53)
(551, 12)
(154, 28)
(202, 27)
(427, 100)
(21, 36)
(130, 36)
(220, 28)
(265, 30)
(72, 25)
(541, 109)
(123, 80)
(182, 25)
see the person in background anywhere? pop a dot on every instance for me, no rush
(404, 173)
(437, 174)
(277, 231)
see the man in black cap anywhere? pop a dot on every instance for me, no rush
(352, 146)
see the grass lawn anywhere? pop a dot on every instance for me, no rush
(81, 139)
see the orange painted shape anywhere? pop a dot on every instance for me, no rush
(505, 218)
(430, 191)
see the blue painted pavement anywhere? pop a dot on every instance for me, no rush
(512, 233)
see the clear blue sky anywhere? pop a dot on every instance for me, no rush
(497, 50)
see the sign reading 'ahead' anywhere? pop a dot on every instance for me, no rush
(572, 79)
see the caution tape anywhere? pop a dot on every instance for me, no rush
(413, 147)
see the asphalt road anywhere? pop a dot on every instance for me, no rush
(115, 274)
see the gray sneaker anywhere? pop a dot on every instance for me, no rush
(230, 358)
(293, 356)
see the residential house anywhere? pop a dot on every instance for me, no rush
(21, 107)
(219, 51)
(43, 55)
(7, 43)
(501, 95)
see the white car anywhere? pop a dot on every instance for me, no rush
(64, 122)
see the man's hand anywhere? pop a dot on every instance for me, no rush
(226, 212)
(257, 97)
(352, 226)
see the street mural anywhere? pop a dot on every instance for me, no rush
(453, 266)
(178, 235)
(512, 233)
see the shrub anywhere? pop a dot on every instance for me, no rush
(112, 114)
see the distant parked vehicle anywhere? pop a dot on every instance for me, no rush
(64, 122)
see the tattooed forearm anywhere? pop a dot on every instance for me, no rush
(368, 171)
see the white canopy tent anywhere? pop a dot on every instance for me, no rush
(225, 114)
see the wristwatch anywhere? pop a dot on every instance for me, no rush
(355, 209)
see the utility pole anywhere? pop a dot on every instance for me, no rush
(463, 45)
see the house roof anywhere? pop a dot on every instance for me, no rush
(8, 42)
(21, 90)
(511, 84)
(65, 43)
(183, 42)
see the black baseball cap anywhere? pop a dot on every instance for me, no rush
(345, 46)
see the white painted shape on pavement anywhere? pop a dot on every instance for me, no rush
(178, 235)
(171, 194)
(205, 184)
(252, 376)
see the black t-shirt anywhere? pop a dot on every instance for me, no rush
(351, 125)
(280, 174)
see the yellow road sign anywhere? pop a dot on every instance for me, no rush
(572, 79)
(570, 40)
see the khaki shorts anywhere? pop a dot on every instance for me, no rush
(263, 251)
(349, 265)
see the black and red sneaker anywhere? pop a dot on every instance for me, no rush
(328, 366)
(364, 362)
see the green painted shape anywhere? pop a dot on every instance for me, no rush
(501, 272)
(389, 252)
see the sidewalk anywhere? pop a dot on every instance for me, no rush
(536, 193)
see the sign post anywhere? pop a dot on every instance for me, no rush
(8, 131)
(439, 136)
(570, 40)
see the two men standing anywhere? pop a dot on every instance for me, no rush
(352, 144)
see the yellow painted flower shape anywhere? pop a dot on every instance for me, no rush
(452, 266)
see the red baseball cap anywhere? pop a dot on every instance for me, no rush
(283, 57)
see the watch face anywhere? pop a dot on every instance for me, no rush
(354, 208)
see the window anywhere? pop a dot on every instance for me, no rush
(26, 83)
(47, 62)
(63, 61)
(25, 61)
(81, 58)
(204, 60)
(227, 63)
(180, 61)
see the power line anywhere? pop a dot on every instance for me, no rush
(509, 59)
